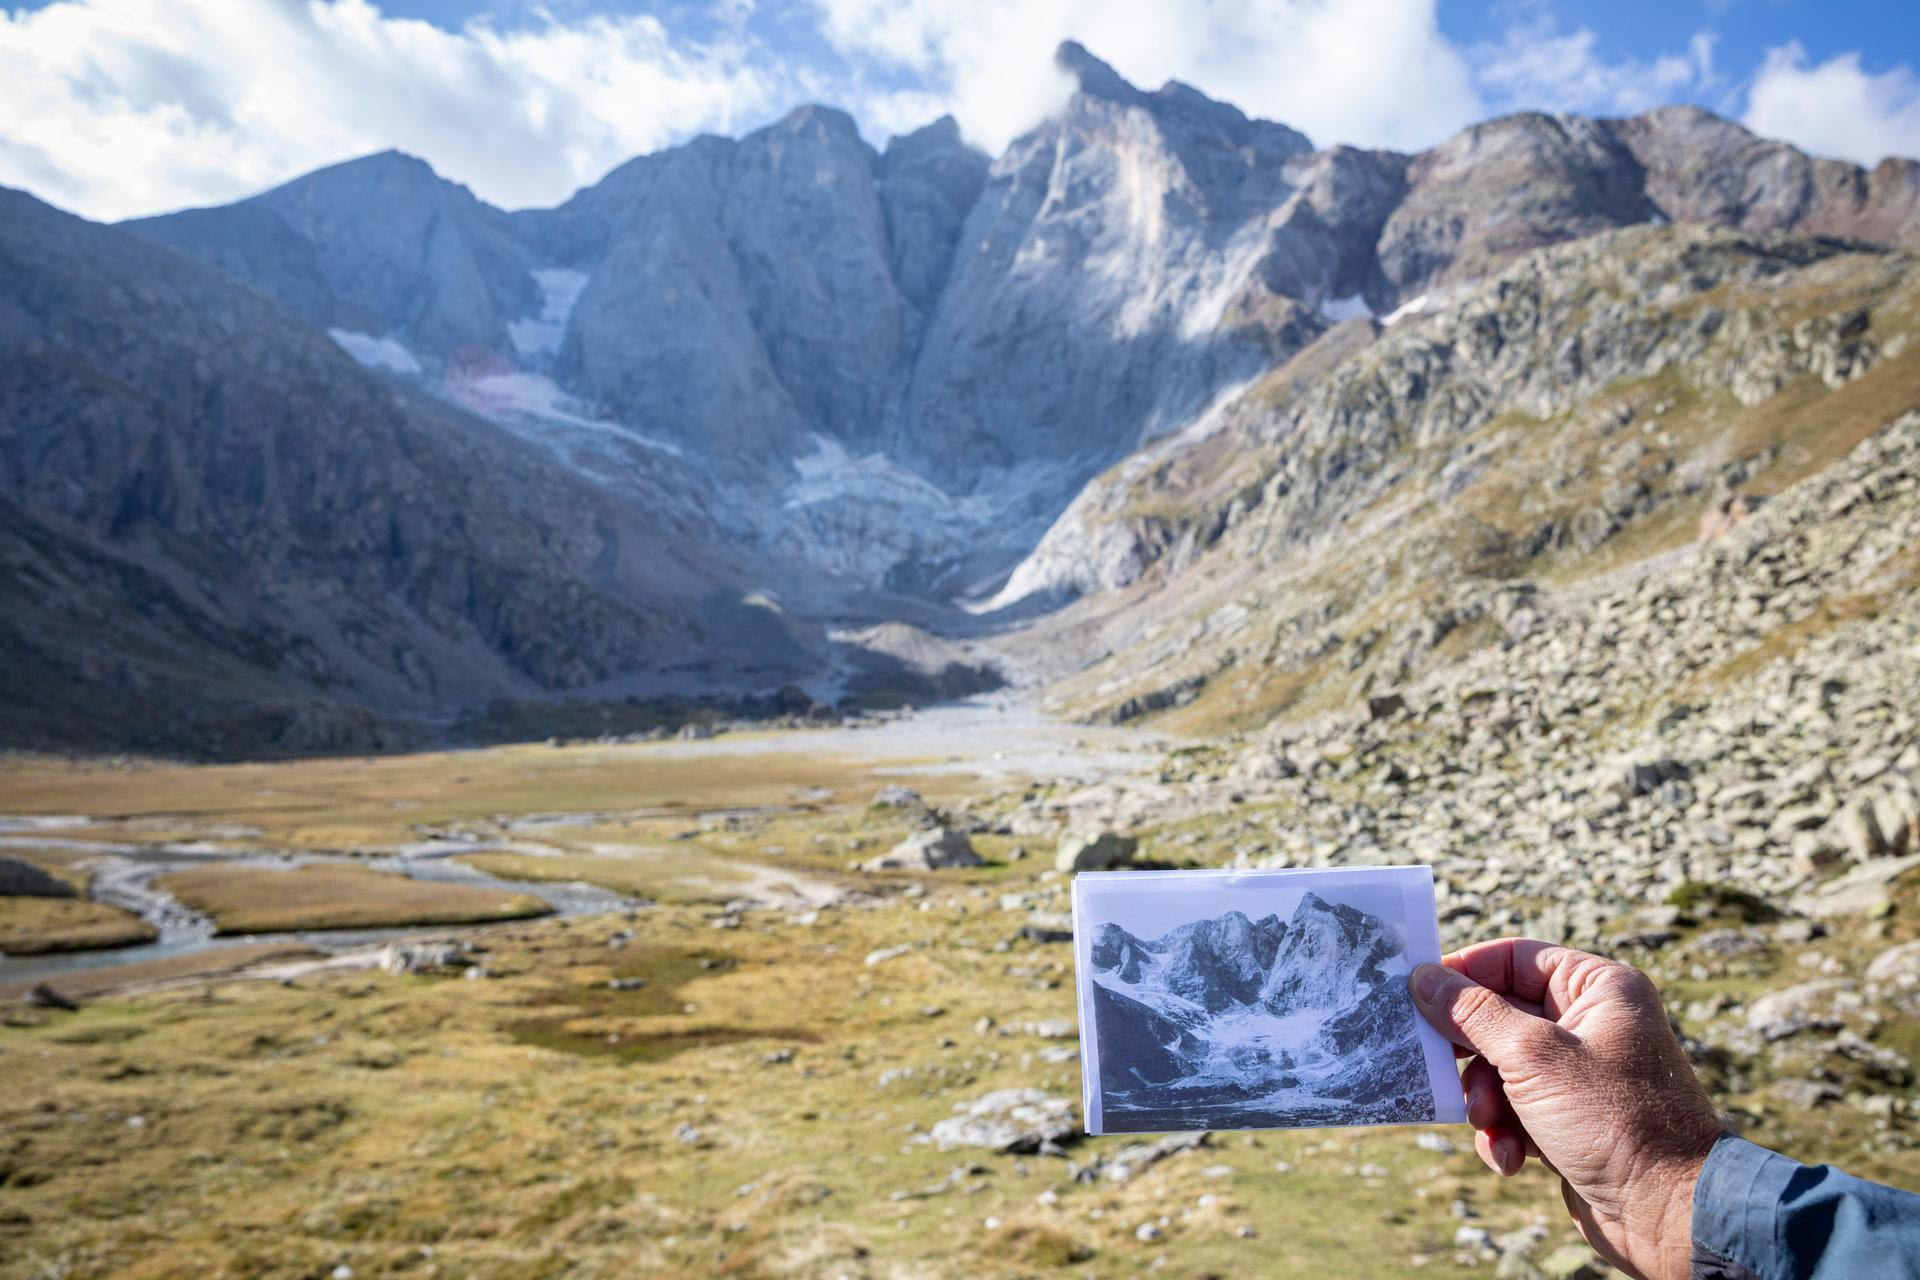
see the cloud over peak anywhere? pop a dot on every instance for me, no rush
(123, 107)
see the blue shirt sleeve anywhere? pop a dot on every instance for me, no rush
(1761, 1216)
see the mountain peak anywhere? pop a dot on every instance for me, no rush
(814, 114)
(1095, 77)
(392, 161)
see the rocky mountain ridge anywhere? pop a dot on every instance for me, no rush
(780, 405)
(903, 365)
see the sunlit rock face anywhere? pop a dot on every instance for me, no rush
(897, 368)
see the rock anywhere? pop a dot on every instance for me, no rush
(695, 732)
(928, 851)
(1806, 1095)
(1052, 1029)
(1896, 964)
(625, 984)
(1385, 705)
(1573, 1262)
(1085, 851)
(1148, 1231)
(1009, 1120)
(42, 996)
(1858, 891)
(1040, 934)
(1434, 1142)
(1722, 944)
(1644, 778)
(1860, 831)
(884, 954)
(418, 957)
(20, 878)
(1807, 1006)
(896, 797)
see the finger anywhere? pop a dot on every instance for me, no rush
(1486, 1098)
(1467, 1013)
(1525, 970)
(1519, 967)
(1500, 1151)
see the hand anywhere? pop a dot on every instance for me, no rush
(1574, 1063)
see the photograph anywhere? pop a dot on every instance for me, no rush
(1257, 999)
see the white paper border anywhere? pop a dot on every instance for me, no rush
(1418, 922)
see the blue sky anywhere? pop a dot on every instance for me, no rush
(118, 107)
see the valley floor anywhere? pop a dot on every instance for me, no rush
(739, 1073)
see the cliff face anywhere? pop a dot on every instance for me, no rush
(898, 369)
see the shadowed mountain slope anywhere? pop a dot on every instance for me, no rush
(214, 514)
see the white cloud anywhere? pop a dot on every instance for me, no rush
(116, 107)
(119, 107)
(1836, 108)
(1536, 67)
(1372, 72)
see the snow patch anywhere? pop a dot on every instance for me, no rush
(1411, 307)
(1341, 310)
(540, 335)
(831, 474)
(497, 394)
(376, 353)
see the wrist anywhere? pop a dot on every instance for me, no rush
(1667, 1209)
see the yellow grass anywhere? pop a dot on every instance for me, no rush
(29, 926)
(264, 900)
(367, 802)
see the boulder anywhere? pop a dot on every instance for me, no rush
(694, 732)
(1806, 1006)
(23, 879)
(928, 851)
(1381, 706)
(1008, 1120)
(43, 996)
(1896, 964)
(896, 797)
(417, 957)
(1643, 778)
(1087, 851)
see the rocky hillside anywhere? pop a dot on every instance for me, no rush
(1342, 529)
(222, 533)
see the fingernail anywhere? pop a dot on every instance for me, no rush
(1430, 982)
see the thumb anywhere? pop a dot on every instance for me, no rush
(1479, 1018)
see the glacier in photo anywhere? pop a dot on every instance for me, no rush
(1232, 1023)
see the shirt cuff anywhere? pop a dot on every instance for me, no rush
(1736, 1205)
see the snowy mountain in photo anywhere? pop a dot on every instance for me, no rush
(1230, 1022)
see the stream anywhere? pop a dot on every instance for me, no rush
(124, 875)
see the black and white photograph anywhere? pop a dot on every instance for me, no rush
(1257, 999)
